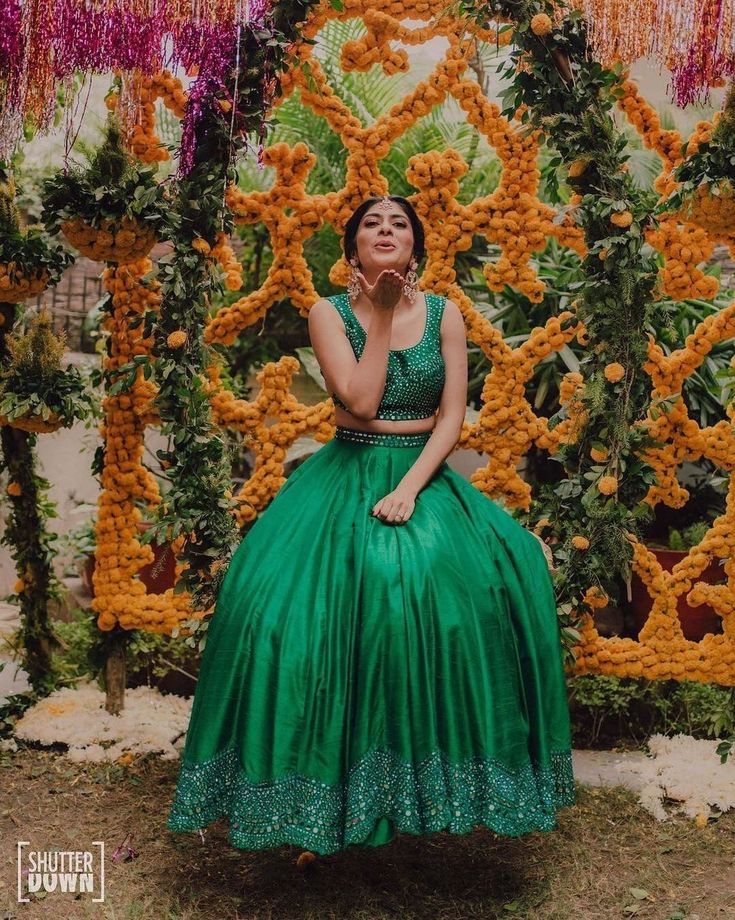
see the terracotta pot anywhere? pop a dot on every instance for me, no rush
(157, 576)
(696, 622)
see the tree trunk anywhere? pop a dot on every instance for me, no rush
(115, 673)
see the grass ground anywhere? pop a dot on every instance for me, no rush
(609, 858)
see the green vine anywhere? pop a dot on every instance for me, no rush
(31, 544)
(559, 90)
(197, 462)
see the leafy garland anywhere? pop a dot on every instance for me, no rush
(198, 504)
(31, 544)
(558, 89)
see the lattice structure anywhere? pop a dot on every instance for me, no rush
(512, 218)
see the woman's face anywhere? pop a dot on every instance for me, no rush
(384, 239)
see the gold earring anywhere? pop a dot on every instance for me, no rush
(353, 284)
(411, 281)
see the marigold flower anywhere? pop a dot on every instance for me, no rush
(599, 455)
(540, 524)
(614, 372)
(577, 168)
(608, 485)
(19, 586)
(176, 339)
(580, 542)
(14, 489)
(541, 24)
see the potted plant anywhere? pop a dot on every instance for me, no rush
(706, 192)
(28, 263)
(696, 622)
(110, 211)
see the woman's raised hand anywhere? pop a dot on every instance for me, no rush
(386, 292)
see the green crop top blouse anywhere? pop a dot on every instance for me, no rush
(415, 377)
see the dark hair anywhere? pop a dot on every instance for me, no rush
(353, 223)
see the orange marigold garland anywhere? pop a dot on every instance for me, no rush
(507, 413)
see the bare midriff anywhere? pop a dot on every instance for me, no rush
(388, 425)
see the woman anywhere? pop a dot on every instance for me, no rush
(384, 655)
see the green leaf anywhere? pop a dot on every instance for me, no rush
(640, 894)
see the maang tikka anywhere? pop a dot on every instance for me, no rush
(411, 281)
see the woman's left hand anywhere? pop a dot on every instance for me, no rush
(396, 507)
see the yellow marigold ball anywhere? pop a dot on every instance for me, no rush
(599, 455)
(541, 24)
(176, 339)
(608, 485)
(14, 489)
(201, 246)
(580, 542)
(614, 372)
(19, 586)
(622, 219)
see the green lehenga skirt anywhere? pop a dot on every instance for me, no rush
(362, 678)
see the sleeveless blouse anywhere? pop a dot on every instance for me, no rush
(415, 377)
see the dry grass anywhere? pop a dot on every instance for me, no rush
(605, 846)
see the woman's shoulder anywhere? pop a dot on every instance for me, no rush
(330, 298)
(323, 310)
(326, 303)
(446, 304)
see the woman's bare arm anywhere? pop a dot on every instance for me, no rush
(452, 407)
(359, 384)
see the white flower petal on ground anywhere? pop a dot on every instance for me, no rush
(688, 772)
(150, 722)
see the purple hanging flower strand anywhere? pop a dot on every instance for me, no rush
(204, 91)
(217, 62)
(11, 45)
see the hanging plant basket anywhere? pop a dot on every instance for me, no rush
(125, 241)
(712, 208)
(16, 287)
(34, 423)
